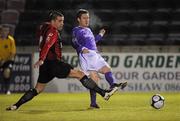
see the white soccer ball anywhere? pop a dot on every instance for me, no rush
(157, 101)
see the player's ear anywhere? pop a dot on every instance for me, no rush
(52, 21)
(78, 19)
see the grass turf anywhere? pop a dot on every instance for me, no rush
(74, 107)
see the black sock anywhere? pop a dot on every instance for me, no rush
(26, 97)
(90, 84)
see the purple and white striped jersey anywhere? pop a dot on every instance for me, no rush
(84, 38)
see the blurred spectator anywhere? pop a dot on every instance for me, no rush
(7, 54)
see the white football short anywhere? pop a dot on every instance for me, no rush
(91, 61)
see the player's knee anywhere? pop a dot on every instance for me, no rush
(7, 73)
(107, 69)
(39, 90)
(34, 91)
(40, 87)
(80, 73)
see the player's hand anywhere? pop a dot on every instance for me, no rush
(102, 32)
(85, 51)
(38, 63)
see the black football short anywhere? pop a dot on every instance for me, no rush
(53, 68)
(7, 64)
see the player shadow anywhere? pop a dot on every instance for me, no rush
(47, 111)
(34, 111)
(72, 110)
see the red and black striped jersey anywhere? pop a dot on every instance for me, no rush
(49, 45)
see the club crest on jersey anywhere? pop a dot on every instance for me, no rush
(49, 36)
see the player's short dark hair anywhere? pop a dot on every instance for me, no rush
(80, 12)
(54, 14)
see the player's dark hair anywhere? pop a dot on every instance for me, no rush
(80, 12)
(54, 14)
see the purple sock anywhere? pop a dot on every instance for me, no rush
(110, 79)
(93, 97)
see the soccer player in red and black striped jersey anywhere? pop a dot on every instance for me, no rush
(50, 63)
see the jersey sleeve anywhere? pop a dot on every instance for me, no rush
(76, 38)
(98, 38)
(13, 46)
(51, 38)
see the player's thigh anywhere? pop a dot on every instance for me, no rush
(75, 73)
(45, 74)
(104, 69)
(62, 69)
(101, 65)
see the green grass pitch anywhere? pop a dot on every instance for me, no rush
(74, 107)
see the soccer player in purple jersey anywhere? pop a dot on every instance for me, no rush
(91, 61)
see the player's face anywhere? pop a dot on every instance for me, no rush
(84, 20)
(59, 22)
